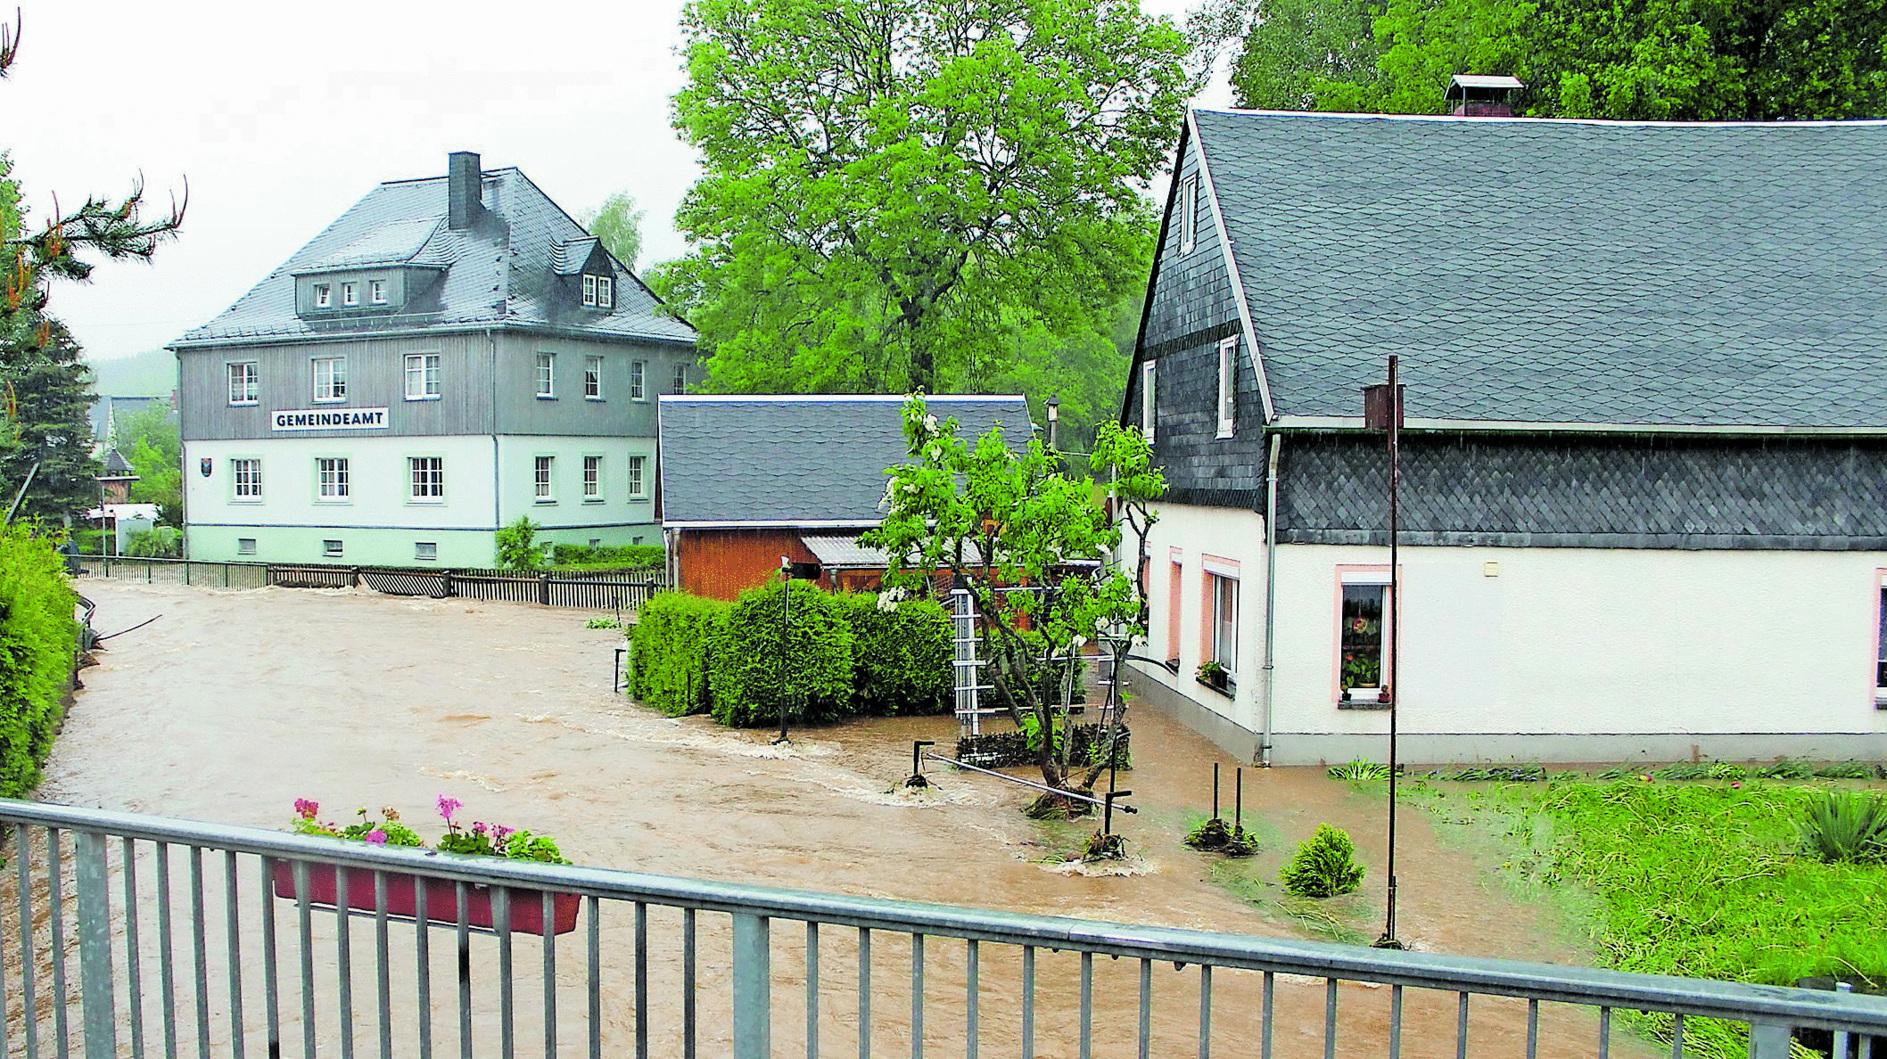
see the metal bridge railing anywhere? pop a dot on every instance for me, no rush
(191, 938)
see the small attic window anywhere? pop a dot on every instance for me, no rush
(589, 290)
(605, 292)
(323, 295)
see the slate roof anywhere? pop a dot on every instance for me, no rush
(797, 460)
(498, 272)
(1562, 271)
(115, 465)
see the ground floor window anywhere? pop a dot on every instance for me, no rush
(331, 549)
(592, 477)
(427, 550)
(541, 478)
(331, 471)
(1175, 584)
(245, 545)
(428, 477)
(1224, 598)
(248, 473)
(638, 487)
(1880, 627)
(1361, 640)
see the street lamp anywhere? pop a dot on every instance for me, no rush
(1382, 410)
(1054, 421)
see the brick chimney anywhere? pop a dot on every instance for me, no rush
(1483, 95)
(464, 189)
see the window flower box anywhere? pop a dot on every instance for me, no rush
(442, 900)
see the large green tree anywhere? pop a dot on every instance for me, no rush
(900, 194)
(617, 223)
(45, 389)
(151, 441)
(1679, 60)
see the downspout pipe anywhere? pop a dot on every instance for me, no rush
(1271, 597)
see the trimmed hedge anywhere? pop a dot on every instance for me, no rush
(901, 658)
(38, 637)
(670, 646)
(614, 557)
(748, 667)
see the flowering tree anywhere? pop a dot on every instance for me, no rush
(1036, 548)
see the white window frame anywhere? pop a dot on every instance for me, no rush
(336, 379)
(681, 376)
(1149, 379)
(605, 292)
(589, 290)
(1189, 213)
(237, 494)
(638, 380)
(377, 291)
(544, 479)
(350, 294)
(334, 487)
(592, 377)
(423, 367)
(420, 555)
(435, 475)
(1228, 386)
(1222, 618)
(323, 295)
(332, 549)
(250, 378)
(638, 477)
(592, 479)
(546, 369)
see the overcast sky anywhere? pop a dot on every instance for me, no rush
(282, 115)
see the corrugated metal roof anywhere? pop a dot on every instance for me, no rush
(499, 272)
(1562, 271)
(800, 460)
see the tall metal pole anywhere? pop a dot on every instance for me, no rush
(1388, 939)
(786, 626)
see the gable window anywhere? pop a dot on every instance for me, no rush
(605, 292)
(1188, 214)
(331, 477)
(1363, 631)
(1147, 379)
(1222, 615)
(1228, 386)
(422, 376)
(541, 470)
(428, 477)
(638, 483)
(589, 289)
(330, 378)
(426, 551)
(681, 378)
(593, 378)
(331, 549)
(350, 294)
(592, 479)
(638, 380)
(243, 382)
(247, 474)
(546, 375)
(377, 291)
(323, 295)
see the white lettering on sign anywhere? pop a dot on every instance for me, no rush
(329, 419)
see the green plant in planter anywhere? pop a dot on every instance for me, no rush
(1324, 866)
(1846, 826)
(1211, 673)
(480, 839)
(384, 830)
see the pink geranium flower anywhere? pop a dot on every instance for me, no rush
(447, 806)
(376, 837)
(306, 808)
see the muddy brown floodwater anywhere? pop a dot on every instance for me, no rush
(235, 703)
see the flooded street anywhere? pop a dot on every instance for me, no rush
(233, 704)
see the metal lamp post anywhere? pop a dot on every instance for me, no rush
(1054, 423)
(1382, 410)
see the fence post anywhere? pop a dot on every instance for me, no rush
(95, 993)
(226, 574)
(445, 584)
(1768, 1040)
(353, 577)
(543, 588)
(186, 571)
(753, 975)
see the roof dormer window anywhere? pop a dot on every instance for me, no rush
(589, 290)
(323, 295)
(350, 294)
(605, 292)
(377, 291)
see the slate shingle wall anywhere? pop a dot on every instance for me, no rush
(1191, 308)
(1592, 491)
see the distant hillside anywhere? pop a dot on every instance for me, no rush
(149, 374)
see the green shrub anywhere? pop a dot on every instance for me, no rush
(1787, 769)
(1324, 866)
(901, 657)
(517, 546)
(158, 542)
(670, 646)
(1359, 769)
(38, 636)
(1845, 827)
(1702, 770)
(608, 556)
(1846, 770)
(751, 666)
(92, 541)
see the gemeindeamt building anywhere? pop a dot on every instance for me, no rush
(450, 354)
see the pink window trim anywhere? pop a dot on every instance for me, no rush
(1873, 646)
(1336, 625)
(1175, 588)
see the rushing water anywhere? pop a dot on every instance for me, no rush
(235, 703)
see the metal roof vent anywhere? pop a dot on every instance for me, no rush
(1483, 95)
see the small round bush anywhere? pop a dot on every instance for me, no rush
(754, 662)
(1324, 866)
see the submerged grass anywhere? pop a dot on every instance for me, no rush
(1702, 880)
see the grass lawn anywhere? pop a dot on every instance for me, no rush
(1699, 879)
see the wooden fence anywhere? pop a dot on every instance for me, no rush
(597, 590)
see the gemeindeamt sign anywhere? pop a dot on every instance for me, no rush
(289, 419)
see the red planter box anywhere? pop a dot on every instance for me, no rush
(442, 900)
